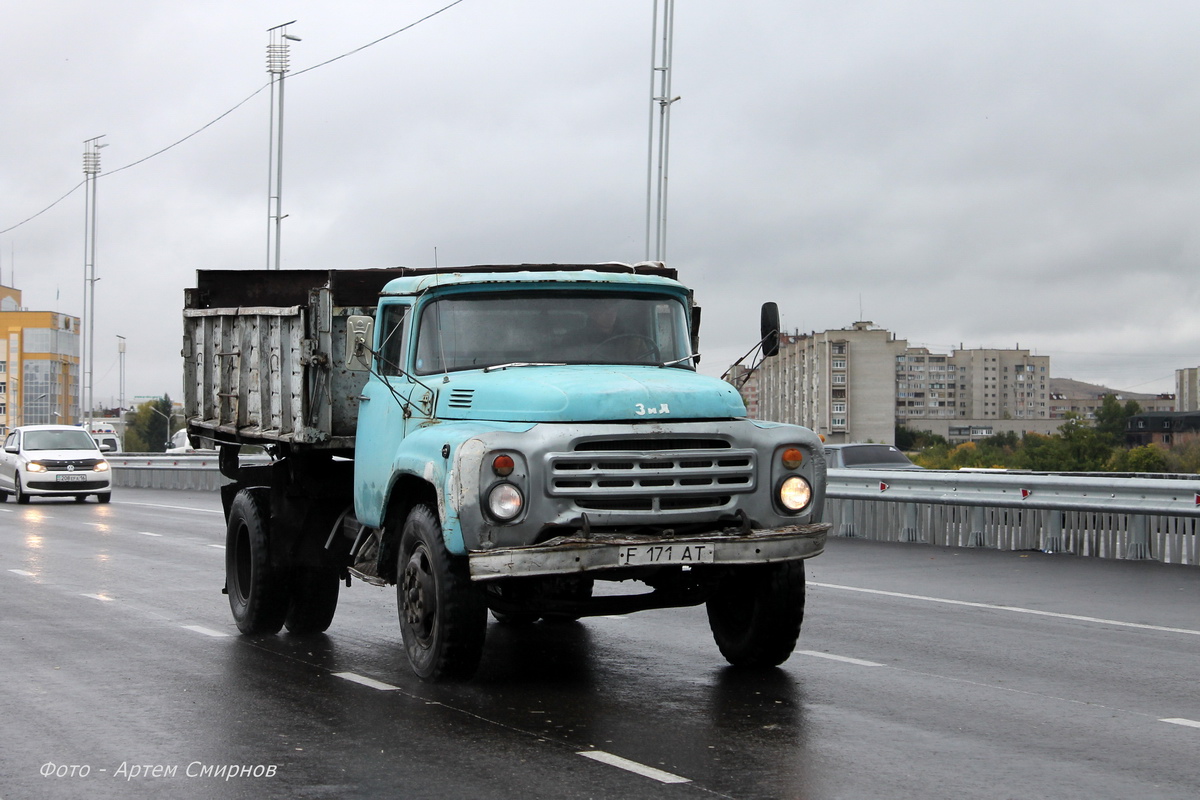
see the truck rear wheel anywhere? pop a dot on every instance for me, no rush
(443, 616)
(258, 593)
(755, 615)
(314, 598)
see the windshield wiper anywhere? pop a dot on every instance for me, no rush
(495, 367)
(679, 360)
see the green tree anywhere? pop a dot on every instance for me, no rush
(148, 427)
(1112, 416)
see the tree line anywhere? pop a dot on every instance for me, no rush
(1079, 446)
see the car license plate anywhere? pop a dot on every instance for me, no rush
(70, 478)
(638, 555)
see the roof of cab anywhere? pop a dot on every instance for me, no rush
(416, 284)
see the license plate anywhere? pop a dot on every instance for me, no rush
(70, 478)
(639, 555)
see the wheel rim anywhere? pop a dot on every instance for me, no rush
(420, 597)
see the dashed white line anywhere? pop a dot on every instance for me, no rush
(363, 680)
(218, 546)
(1013, 609)
(847, 659)
(148, 533)
(206, 631)
(177, 508)
(1191, 723)
(24, 573)
(633, 766)
(105, 598)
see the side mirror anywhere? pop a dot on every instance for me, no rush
(769, 329)
(360, 333)
(12, 448)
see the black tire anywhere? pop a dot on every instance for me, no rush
(104, 497)
(80, 498)
(755, 615)
(3, 496)
(19, 492)
(443, 616)
(258, 593)
(314, 598)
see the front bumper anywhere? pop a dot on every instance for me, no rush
(569, 555)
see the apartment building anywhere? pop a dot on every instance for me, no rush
(1187, 389)
(839, 383)
(39, 364)
(856, 384)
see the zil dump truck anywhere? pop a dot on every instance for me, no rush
(534, 441)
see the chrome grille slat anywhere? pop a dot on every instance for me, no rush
(651, 479)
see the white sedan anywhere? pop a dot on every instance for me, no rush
(53, 461)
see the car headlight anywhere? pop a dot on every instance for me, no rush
(505, 502)
(795, 493)
(101, 467)
(34, 466)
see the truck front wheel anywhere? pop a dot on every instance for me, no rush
(756, 613)
(443, 616)
(258, 594)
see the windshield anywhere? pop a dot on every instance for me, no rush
(593, 327)
(59, 440)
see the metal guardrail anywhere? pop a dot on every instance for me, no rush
(1089, 515)
(196, 471)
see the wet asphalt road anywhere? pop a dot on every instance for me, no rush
(922, 673)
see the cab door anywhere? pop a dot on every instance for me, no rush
(391, 404)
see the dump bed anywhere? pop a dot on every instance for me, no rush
(263, 354)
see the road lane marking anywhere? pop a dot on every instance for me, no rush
(206, 631)
(218, 546)
(24, 573)
(99, 597)
(632, 766)
(1013, 609)
(148, 533)
(177, 508)
(1191, 723)
(860, 662)
(365, 681)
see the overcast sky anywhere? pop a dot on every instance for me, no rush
(989, 174)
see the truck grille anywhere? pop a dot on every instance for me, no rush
(685, 474)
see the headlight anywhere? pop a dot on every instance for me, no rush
(34, 466)
(505, 502)
(795, 494)
(101, 467)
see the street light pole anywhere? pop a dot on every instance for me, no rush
(660, 129)
(277, 66)
(91, 174)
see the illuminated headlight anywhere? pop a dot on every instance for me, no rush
(795, 493)
(34, 466)
(101, 467)
(505, 502)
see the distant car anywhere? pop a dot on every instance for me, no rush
(53, 461)
(866, 456)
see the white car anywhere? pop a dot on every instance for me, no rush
(53, 461)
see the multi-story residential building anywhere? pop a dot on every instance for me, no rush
(839, 383)
(39, 364)
(1187, 389)
(856, 384)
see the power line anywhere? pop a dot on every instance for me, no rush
(235, 108)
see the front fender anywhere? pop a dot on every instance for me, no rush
(430, 454)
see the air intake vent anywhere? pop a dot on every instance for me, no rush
(461, 398)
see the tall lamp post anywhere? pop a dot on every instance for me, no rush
(91, 174)
(277, 66)
(660, 128)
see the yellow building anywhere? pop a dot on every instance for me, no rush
(39, 364)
